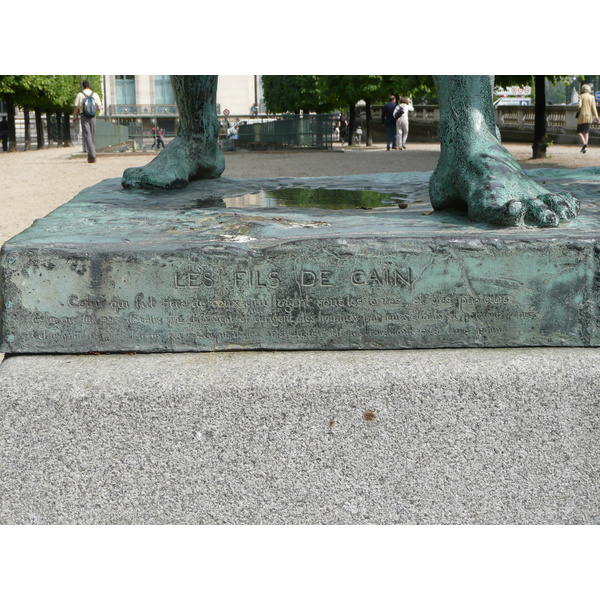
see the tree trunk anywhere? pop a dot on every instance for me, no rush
(351, 125)
(66, 125)
(369, 122)
(49, 127)
(27, 128)
(58, 129)
(539, 132)
(39, 130)
(12, 130)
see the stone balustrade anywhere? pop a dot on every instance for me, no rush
(516, 117)
(516, 123)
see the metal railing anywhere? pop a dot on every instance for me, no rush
(110, 135)
(139, 132)
(289, 131)
(142, 110)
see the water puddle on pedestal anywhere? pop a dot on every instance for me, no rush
(319, 198)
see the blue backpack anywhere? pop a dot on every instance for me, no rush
(89, 106)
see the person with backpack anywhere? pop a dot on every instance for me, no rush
(88, 103)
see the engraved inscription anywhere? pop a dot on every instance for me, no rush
(381, 315)
(192, 280)
(382, 277)
(289, 298)
(256, 279)
(306, 278)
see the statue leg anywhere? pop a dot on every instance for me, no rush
(195, 152)
(475, 171)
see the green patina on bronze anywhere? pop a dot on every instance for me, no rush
(115, 270)
(195, 152)
(474, 172)
(136, 265)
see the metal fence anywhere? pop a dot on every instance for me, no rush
(110, 135)
(140, 131)
(290, 131)
(142, 110)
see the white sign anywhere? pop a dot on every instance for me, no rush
(513, 102)
(514, 90)
(226, 112)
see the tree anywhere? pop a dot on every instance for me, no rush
(63, 89)
(10, 86)
(43, 93)
(22, 91)
(344, 91)
(420, 87)
(326, 93)
(539, 145)
(295, 93)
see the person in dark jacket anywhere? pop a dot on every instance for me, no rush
(387, 118)
(358, 131)
(4, 134)
(343, 129)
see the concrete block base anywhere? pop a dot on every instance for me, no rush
(472, 436)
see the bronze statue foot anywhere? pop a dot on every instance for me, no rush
(183, 160)
(484, 177)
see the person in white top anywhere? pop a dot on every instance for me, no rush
(88, 124)
(402, 123)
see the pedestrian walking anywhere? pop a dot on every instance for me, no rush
(4, 134)
(405, 105)
(388, 119)
(88, 103)
(586, 115)
(160, 141)
(358, 131)
(343, 129)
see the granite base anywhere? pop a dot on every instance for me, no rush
(508, 436)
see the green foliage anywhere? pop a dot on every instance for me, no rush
(503, 81)
(346, 89)
(417, 87)
(292, 93)
(49, 92)
(325, 93)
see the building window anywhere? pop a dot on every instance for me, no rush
(163, 89)
(125, 88)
